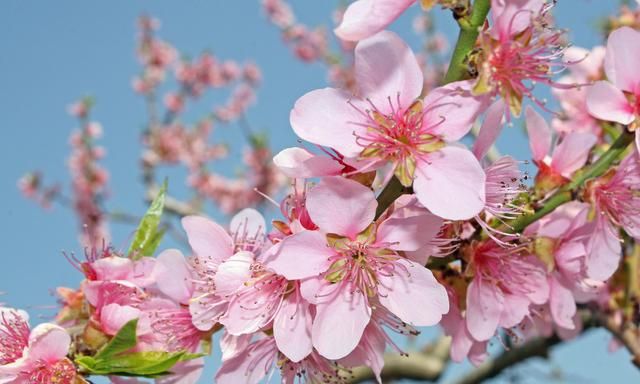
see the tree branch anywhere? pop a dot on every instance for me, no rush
(565, 194)
(425, 365)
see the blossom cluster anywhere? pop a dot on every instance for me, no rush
(391, 225)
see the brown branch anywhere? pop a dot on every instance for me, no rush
(425, 365)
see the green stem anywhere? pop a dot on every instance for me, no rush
(565, 194)
(469, 30)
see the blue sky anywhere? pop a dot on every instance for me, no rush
(53, 53)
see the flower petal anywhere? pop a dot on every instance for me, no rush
(48, 343)
(451, 110)
(606, 102)
(484, 308)
(364, 18)
(173, 277)
(248, 224)
(386, 68)
(339, 324)
(292, 328)
(207, 239)
(413, 294)
(620, 63)
(297, 162)
(562, 304)
(327, 117)
(490, 129)
(409, 228)
(511, 17)
(572, 153)
(341, 206)
(304, 254)
(539, 134)
(233, 273)
(604, 250)
(451, 183)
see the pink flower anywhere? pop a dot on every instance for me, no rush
(568, 156)
(387, 123)
(519, 50)
(506, 282)
(222, 261)
(616, 205)
(462, 344)
(33, 356)
(561, 242)
(365, 18)
(251, 362)
(351, 264)
(584, 67)
(618, 99)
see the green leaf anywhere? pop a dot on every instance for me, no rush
(146, 364)
(124, 340)
(148, 235)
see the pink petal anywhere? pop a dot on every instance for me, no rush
(248, 224)
(173, 276)
(369, 352)
(451, 110)
(621, 61)
(539, 134)
(413, 294)
(115, 316)
(364, 18)
(231, 345)
(342, 206)
(297, 162)
(326, 117)
(490, 129)
(206, 309)
(207, 239)
(484, 308)
(408, 229)
(249, 367)
(511, 17)
(292, 328)
(570, 257)
(113, 268)
(606, 102)
(450, 183)
(638, 140)
(572, 153)
(339, 324)
(515, 309)
(584, 64)
(562, 304)
(299, 256)
(233, 273)
(604, 250)
(48, 343)
(387, 70)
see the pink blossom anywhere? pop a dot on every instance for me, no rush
(387, 123)
(462, 344)
(506, 282)
(365, 18)
(351, 264)
(616, 205)
(584, 67)
(561, 242)
(618, 99)
(519, 50)
(222, 261)
(568, 156)
(33, 356)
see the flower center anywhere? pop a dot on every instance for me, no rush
(398, 137)
(14, 337)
